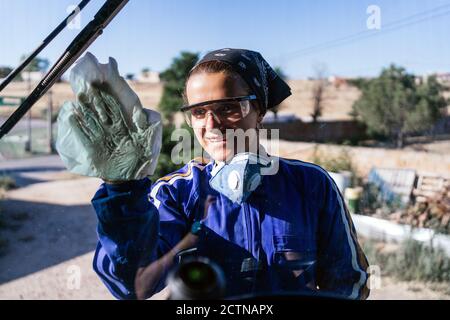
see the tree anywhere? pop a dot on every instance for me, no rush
(5, 71)
(359, 83)
(165, 164)
(37, 64)
(393, 104)
(174, 79)
(319, 88)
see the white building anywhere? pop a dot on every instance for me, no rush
(148, 77)
(443, 78)
(33, 76)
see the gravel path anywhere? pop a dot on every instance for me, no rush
(51, 237)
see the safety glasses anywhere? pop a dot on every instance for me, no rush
(225, 111)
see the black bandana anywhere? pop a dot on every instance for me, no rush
(270, 89)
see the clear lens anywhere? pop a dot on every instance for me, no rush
(223, 112)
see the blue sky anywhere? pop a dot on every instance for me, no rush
(149, 33)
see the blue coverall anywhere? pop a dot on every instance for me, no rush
(295, 216)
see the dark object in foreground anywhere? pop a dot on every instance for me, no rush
(44, 43)
(201, 279)
(198, 278)
(81, 42)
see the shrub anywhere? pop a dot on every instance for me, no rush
(337, 163)
(413, 261)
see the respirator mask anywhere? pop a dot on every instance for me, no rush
(240, 177)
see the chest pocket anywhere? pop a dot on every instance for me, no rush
(290, 246)
(294, 258)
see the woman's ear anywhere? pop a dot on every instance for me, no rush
(261, 114)
(260, 117)
(259, 120)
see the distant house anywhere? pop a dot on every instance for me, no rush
(337, 82)
(443, 77)
(148, 76)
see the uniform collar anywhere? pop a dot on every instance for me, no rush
(263, 158)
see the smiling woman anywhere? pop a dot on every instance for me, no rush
(215, 115)
(282, 230)
(233, 87)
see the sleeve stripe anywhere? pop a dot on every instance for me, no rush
(101, 263)
(356, 266)
(355, 255)
(110, 267)
(181, 175)
(171, 179)
(111, 287)
(361, 257)
(193, 162)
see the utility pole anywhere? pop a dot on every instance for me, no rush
(28, 142)
(50, 146)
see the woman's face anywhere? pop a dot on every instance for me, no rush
(213, 86)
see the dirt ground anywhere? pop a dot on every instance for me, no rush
(50, 227)
(391, 289)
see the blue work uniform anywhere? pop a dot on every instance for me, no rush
(295, 224)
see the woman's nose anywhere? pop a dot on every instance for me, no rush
(212, 121)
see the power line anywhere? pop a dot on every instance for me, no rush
(393, 26)
(377, 33)
(367, 32)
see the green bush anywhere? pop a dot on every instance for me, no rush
(395, 105)
(173, 78)
(337, 163)
(413, 261)
(165, 164)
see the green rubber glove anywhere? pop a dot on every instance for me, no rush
(97, 137)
